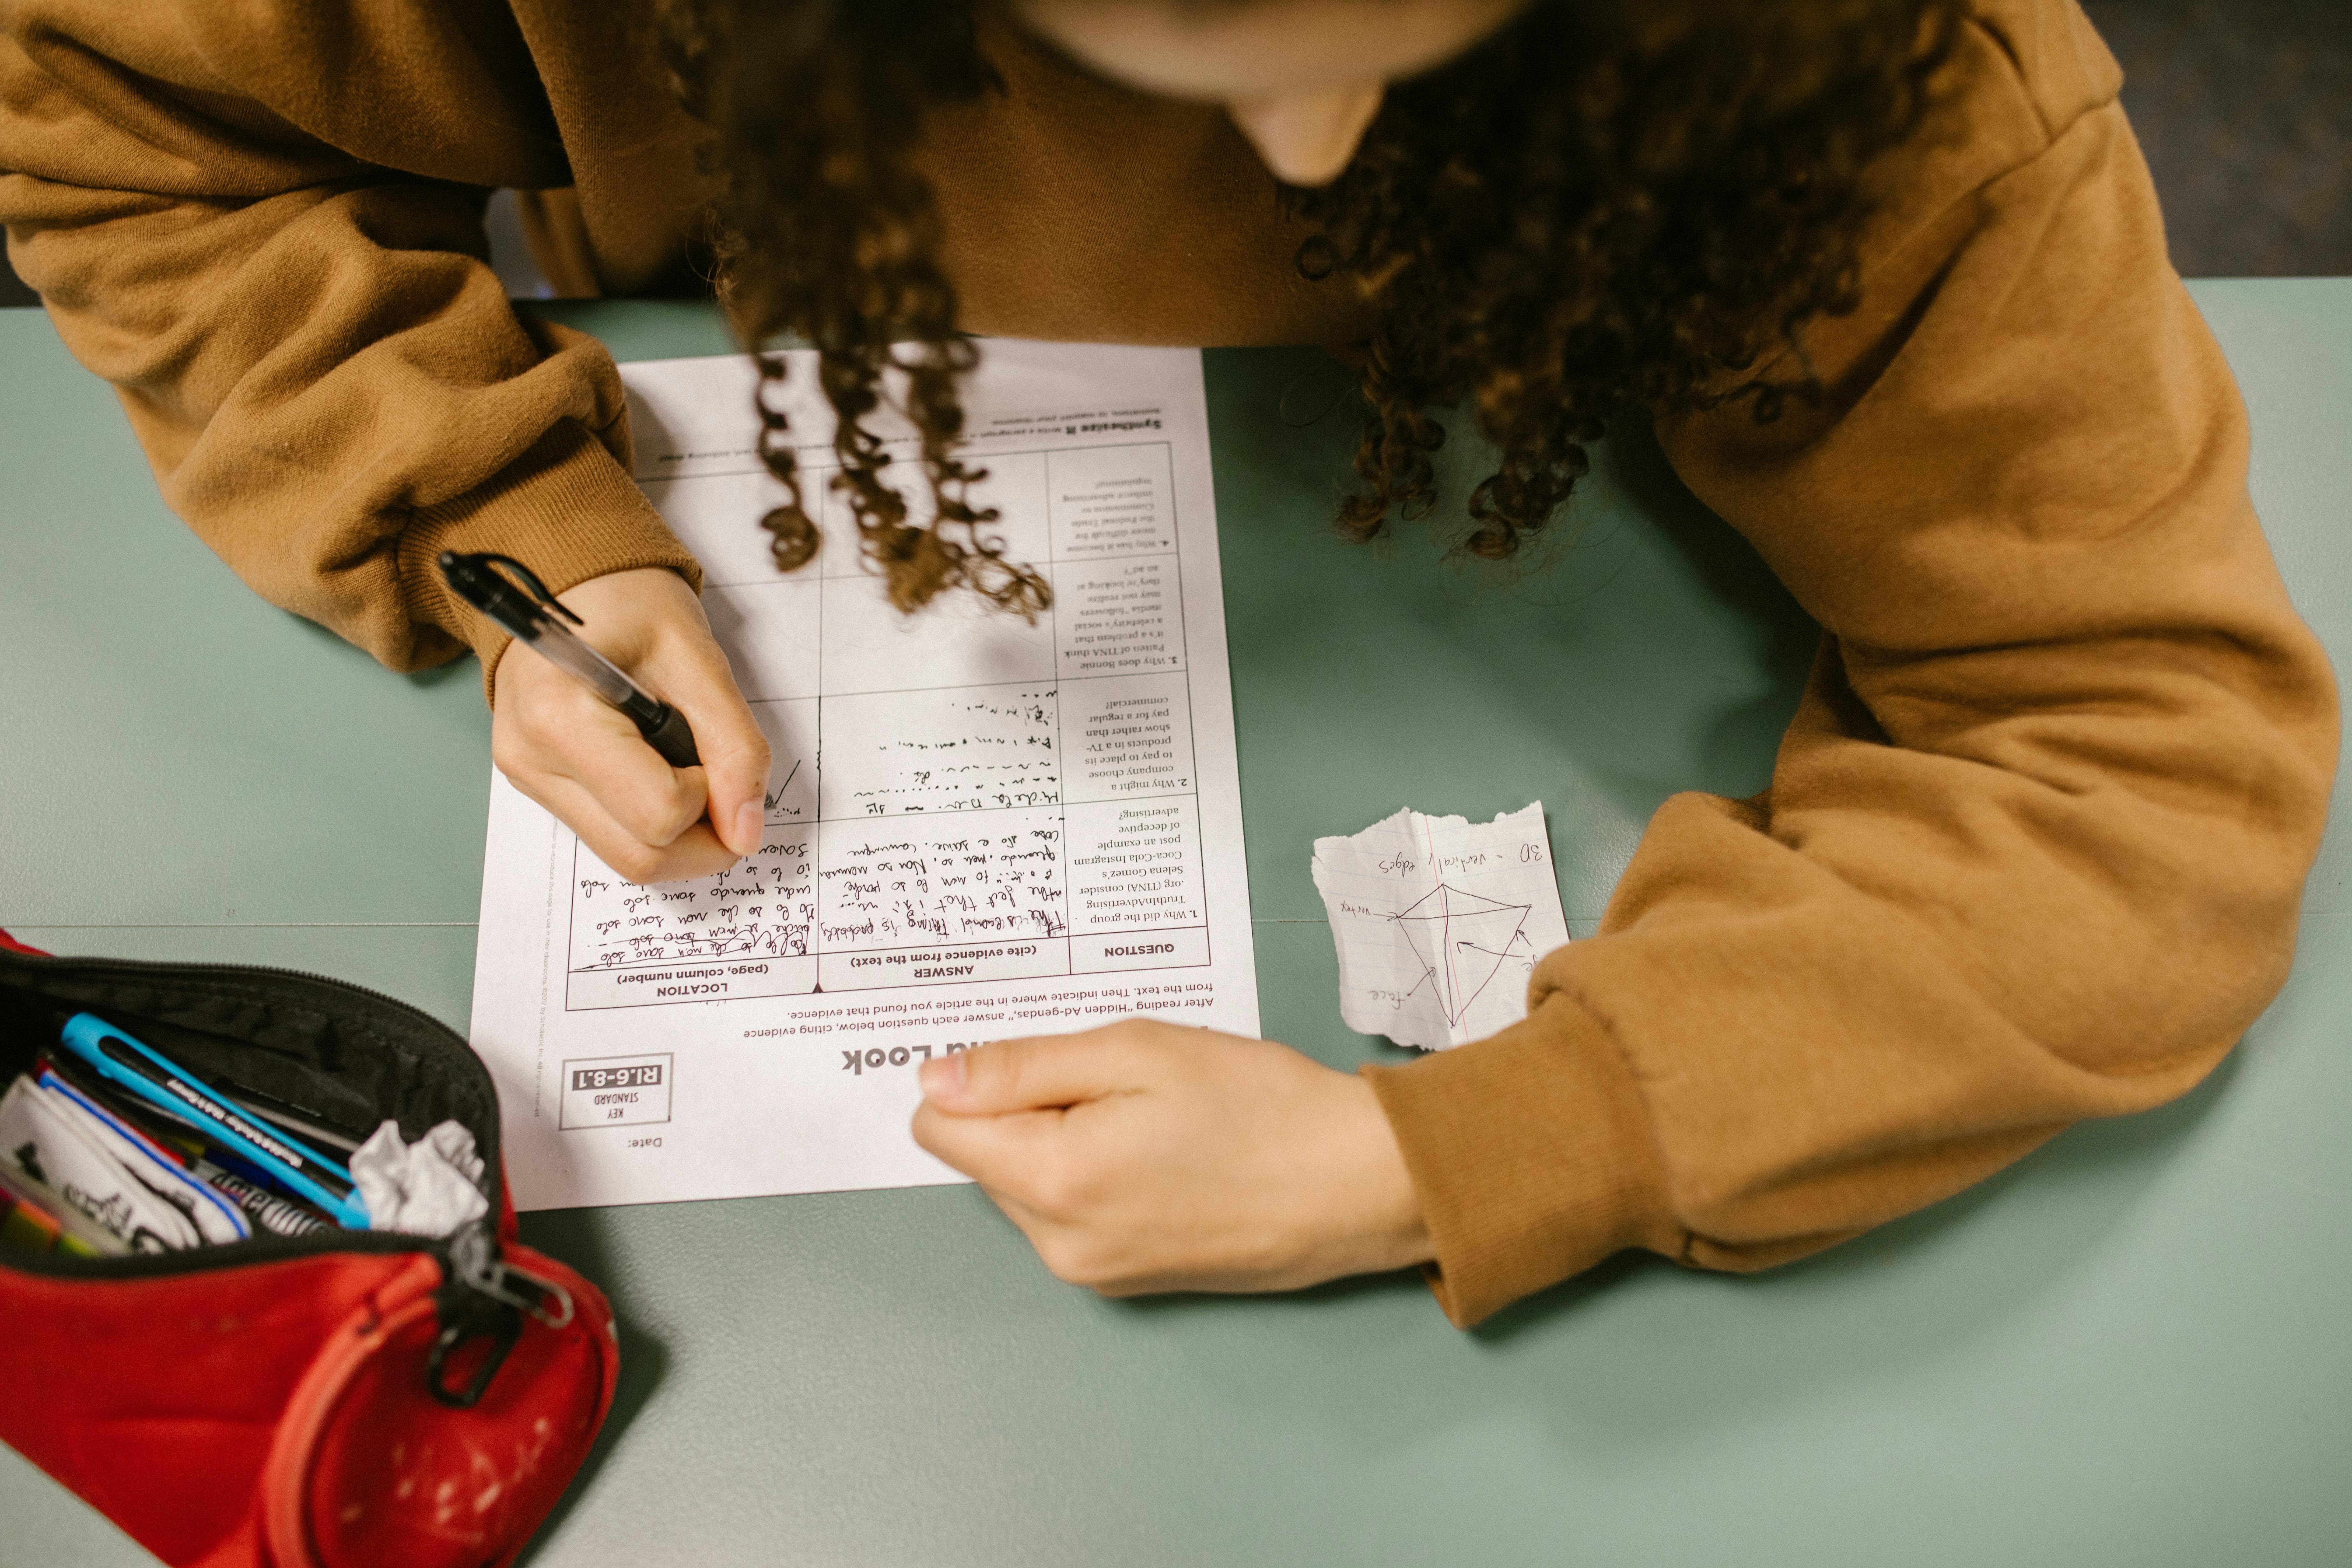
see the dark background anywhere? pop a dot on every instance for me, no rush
(2245, 110)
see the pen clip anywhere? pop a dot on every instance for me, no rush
(531, 585)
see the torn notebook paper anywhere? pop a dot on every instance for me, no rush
(1439, 921)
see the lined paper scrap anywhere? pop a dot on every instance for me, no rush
(1439, 921)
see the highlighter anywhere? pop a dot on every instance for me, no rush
(142, 1071)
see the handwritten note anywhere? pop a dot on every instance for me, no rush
(1439, 921)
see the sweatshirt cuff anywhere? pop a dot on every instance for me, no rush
(566, 509)
(1532, 1155)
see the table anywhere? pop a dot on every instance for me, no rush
(2130, 1349)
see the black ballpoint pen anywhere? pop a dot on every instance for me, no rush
(535, 619)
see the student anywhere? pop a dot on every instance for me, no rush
(1888, 274)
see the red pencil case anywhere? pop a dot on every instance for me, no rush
(344, 1398)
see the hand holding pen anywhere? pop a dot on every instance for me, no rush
(584, 757)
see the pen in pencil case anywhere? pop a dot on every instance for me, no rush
(278, 1215)
(143, 1073)
(166, 1125)
(240, 1181)
(535, 619)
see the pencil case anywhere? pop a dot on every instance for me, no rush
(333, 1400)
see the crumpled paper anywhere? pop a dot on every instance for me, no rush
(425, 1188)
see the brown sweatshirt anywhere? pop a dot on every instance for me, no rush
(2033, 845)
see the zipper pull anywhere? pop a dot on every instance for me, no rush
(482, 1297)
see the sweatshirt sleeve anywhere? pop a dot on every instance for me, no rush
(325, 374)
(2035, 844)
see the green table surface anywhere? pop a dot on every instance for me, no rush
(2132, 1348)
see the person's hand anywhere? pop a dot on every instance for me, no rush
(563, 746)
(1145, 1156)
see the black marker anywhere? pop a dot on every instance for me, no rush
(532, 617)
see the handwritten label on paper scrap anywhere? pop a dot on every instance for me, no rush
(1439, 921)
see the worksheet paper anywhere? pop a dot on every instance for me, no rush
(1439, 922)
(976, 827)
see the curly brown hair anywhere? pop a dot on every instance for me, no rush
(1606, 206)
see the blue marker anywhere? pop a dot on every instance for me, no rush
(142, 1072)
